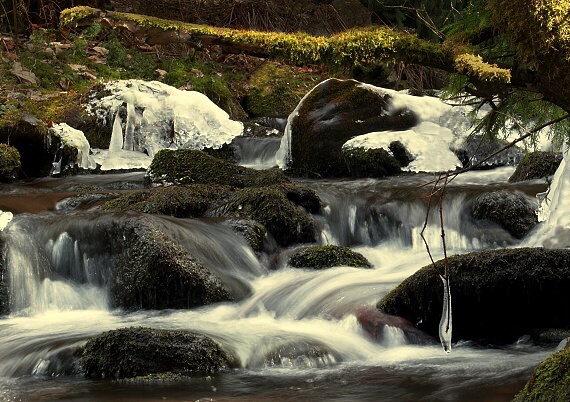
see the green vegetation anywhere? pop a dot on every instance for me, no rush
(9, 162)
(320, 257)
(550, 381)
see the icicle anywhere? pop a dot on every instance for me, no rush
(117, 135)
(445, 322)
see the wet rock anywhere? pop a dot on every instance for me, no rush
(497, 296)
(4, 297)
(332, 113)
(475, 148)
(510, 210)
(320, 257)
(131, 352)
(377, 325)
(156, 272)
(536, 165)
(550, 381)
(293, 353)
(376, 162)
(254, 233)
(9, 163)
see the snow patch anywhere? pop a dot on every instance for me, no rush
(76, 139)
(5, 219)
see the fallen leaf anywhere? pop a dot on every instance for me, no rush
(23, 73)
(77, 67)
(101, 50)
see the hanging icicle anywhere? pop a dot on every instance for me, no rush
(445, 322)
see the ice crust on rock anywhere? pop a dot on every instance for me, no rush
(150, 116)
(441, 127)
(75, 139)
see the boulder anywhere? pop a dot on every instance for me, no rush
(155, 272)
(320, 257)
(9, 163)
(188, 166)
(331, 114)
(377, 325)
(510, 210)
(550, 381)
(253, 232)
(536, 165)
(132, 352)
(497, 295)
(4, 296)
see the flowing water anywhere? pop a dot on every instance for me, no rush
(58, 259)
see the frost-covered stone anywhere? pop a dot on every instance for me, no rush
(339, 114)
(75, 149)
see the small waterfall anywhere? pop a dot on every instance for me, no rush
(257, 153)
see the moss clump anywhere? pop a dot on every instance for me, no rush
(188, 166)
(320, 257)
(550, 381)
(497, 295)
(9, 163)
(132, 352)
(536, 165)
(276, 89)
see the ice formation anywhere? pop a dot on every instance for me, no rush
(445, 327)
(75, 139)
(5, 218)
(149, 116)
(554, 211)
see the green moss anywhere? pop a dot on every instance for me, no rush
(276, 89)
(320, 257)
(74, 15)
(374, 162)
(550, 381)
(187, 166)
(9, 163)
(132, 352)
(181, 201)
(536, 165)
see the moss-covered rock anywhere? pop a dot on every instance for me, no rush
(536, 165)
(374, 162)
(131, 352)
(320, 257)
(187, 201)
(550, 381)
(188, 166)
(510, 210)
(287, 221)
(9, 163)
(497, 295)
(157, 273)
(332, 113)
(253, 232)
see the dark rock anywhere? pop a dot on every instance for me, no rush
(332, 113)
(320, 257)
(497, 296)
(9, 163)
(297, 353)
(131, 352)
(157, 273)
(476, 148)
(510, 210)
(536, 165)
(550, 381)
(375, 323)
(254, 233)
(374, 162)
